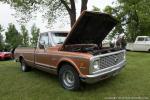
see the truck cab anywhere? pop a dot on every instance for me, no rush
(142, 43)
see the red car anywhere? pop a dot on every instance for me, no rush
(5, 55)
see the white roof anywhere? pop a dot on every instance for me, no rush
(142, 36)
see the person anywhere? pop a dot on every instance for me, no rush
(121, 42)
(118, 42)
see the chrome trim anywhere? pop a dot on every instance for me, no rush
(46, 65)
(105, 74)
(51, 69)
(112, 53)
(107, 70)
(94, 58)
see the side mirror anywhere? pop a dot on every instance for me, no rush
(41, 44)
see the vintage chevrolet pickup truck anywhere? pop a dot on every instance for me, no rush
(76, 56)
(142, 43)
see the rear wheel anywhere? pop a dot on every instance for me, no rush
(24, 66)
(69, 77)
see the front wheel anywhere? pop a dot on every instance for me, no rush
(69, 77)
(24, 67)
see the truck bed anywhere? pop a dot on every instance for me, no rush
(26, 52)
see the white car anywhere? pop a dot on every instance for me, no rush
(142, 43)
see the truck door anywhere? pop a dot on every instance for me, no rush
(139, 44)
(41, 55)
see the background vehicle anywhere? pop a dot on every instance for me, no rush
(5, 55)
(78, 55)
(142, 43)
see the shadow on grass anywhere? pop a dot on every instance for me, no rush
(6, 60)
(55, 79)
(98, 85)
(46, 75)
(84, 86)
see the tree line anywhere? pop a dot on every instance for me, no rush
(13, 38)
(133, 18)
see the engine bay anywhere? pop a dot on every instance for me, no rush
(90, 48)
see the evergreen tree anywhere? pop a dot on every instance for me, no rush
(35, 34)
(25, 36)
(13, 37)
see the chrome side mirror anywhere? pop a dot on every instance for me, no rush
(42, 44)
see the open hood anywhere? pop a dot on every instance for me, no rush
(90, 28)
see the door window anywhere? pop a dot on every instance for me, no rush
(141, 39)
(44, 41)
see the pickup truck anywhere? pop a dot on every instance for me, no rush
(76, 56)
(142, 43)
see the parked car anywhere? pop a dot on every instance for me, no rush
(142, 43)
(77, 55)
(5, 55)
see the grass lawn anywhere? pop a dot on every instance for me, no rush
(133, 81)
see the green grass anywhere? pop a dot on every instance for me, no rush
(133, 81)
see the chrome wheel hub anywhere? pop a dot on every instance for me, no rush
(68, 78)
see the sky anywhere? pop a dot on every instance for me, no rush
(6, 16)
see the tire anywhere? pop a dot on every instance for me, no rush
(69, 77)
(24, 66)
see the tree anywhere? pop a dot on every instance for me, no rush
(133, 18)
(120, 17)
(35, 34)
(1, 39)
(25, 36)
(13, 37)
(137, 14)
(52, 8)
(110, 10)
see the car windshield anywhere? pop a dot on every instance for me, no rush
(59, 37)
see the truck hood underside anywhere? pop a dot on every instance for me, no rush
(90, 28)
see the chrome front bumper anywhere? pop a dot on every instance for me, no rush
(103, 74)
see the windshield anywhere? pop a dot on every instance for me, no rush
(59, 37)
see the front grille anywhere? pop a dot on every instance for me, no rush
(111, 60)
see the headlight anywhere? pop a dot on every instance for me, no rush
(95, 66)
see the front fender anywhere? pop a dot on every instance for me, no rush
(70, 61)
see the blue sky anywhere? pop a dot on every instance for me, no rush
(6, 16)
